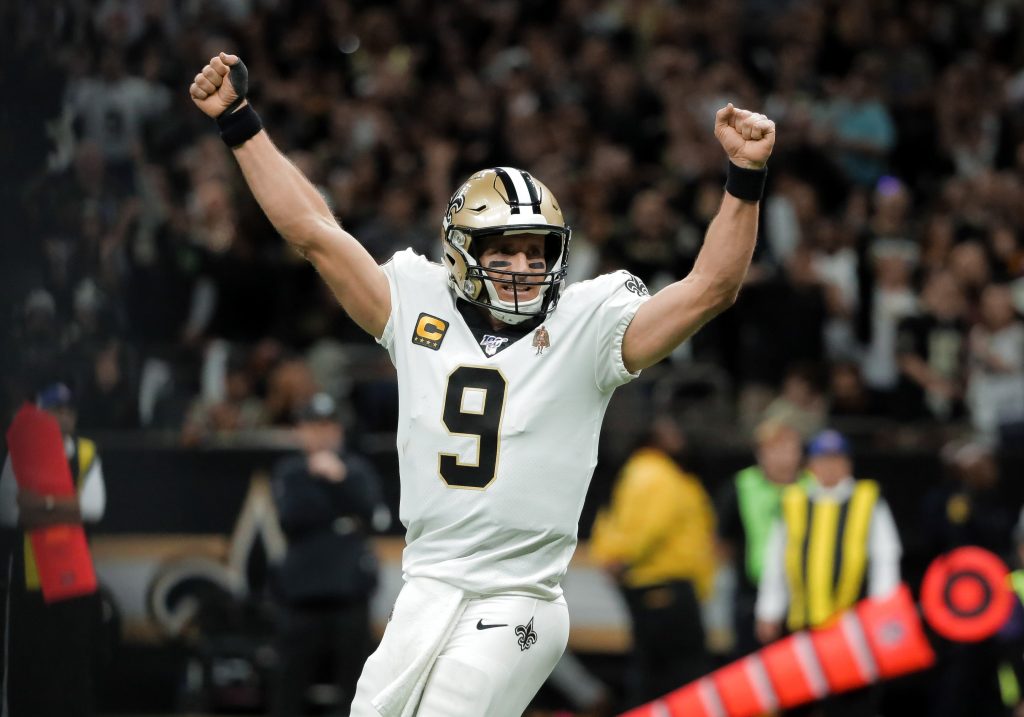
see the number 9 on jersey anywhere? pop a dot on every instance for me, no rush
(474, 403)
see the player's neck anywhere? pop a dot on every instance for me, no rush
(496, 323)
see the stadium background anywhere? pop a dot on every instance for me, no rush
(136, 266)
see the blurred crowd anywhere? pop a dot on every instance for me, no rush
(888, 282)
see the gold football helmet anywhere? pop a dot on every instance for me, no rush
(492, 203)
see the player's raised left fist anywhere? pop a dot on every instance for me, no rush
(747, 137)
(220, 85)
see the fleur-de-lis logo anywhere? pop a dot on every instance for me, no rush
(527, 637)
(455, 204)
(636, 285)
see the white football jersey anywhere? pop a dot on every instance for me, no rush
(497, 437)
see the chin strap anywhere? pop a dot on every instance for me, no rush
(507, 318)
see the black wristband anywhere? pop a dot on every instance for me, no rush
(238, 127)
(745, 184)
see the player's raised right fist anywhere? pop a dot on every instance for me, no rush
(221, 84)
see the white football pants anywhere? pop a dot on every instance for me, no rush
(497, 657)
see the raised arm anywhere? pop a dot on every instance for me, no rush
(676, 312)
(294, 206)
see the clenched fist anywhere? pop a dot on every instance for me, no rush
(214, 89)
(747, 137)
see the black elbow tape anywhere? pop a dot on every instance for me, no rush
(745, 184)
(240, 126)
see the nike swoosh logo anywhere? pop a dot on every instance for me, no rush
(480, 625)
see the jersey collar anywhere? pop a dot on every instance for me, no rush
(481, 329)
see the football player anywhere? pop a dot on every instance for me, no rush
(504, 376)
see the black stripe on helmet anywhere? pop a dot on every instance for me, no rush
(534, 190)
(514, 200)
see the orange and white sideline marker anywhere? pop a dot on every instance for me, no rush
(877, 639)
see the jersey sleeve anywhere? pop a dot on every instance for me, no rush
(624, 294)
(401, 271)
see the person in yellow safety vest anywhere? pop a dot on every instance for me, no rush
(48, 665)
(835, 543)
